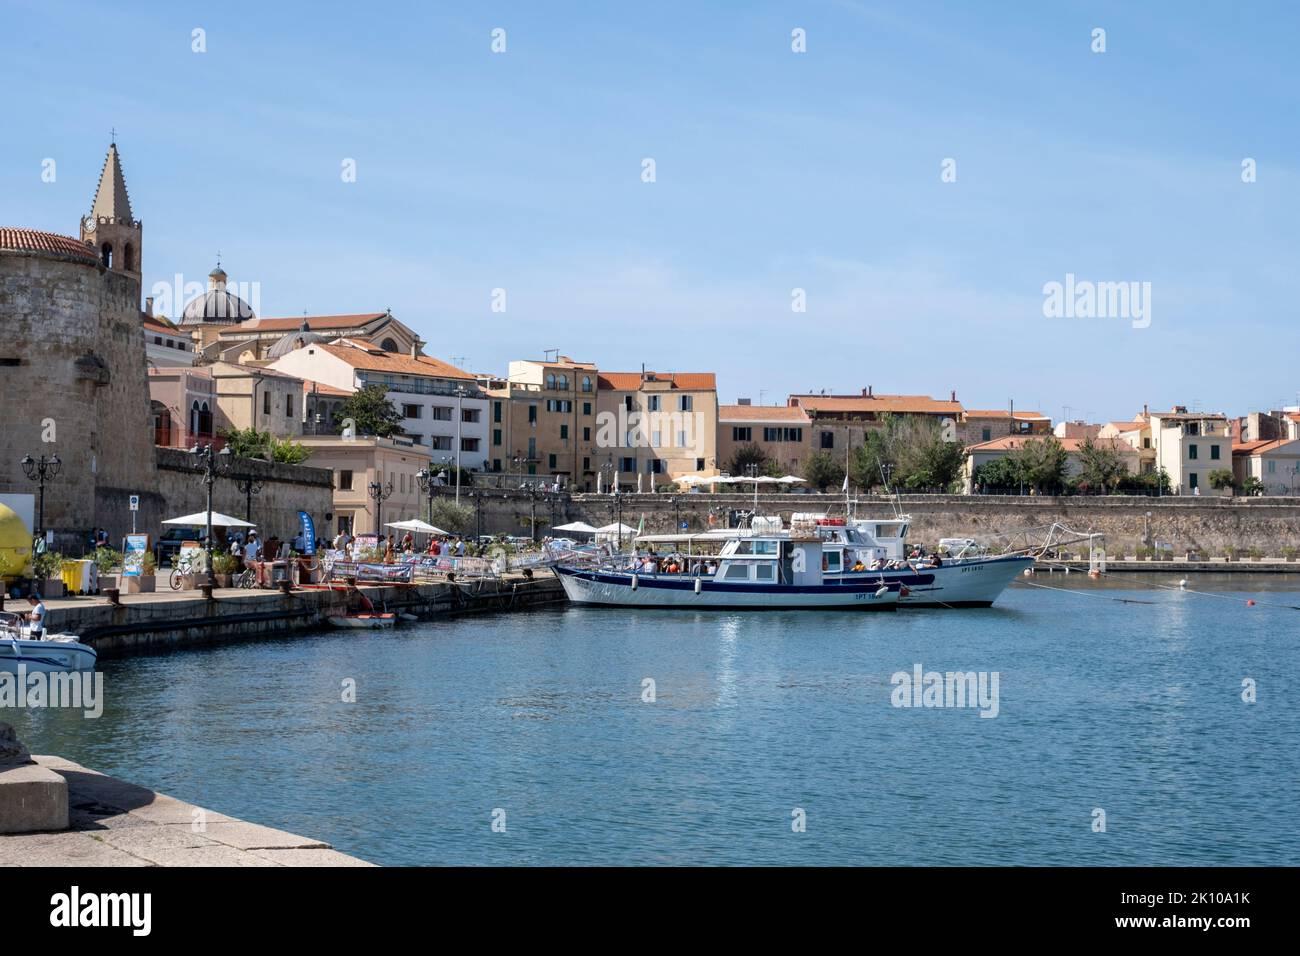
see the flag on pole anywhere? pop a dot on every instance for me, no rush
(846, 483)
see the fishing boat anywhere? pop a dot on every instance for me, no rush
(755, 571)
(51, 654)
(959, 574)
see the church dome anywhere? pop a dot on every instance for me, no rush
(294, 340)
(217, 305)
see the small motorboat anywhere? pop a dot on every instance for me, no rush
(366, 619)
(51, 654)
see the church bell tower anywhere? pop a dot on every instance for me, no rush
(115, 233)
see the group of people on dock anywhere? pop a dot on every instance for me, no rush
(391, 547)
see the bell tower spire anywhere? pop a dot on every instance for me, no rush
(111, 227)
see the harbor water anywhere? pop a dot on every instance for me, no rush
(606, 736)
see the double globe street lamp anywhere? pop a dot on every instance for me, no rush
(212, 463)
(379, 493)
(41, 470)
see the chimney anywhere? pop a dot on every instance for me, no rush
(415, 346)
(866, 392)
(148, 306)
(743, 401)
(1145, 412)
(954, 396)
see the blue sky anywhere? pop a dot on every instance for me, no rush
(774, 170)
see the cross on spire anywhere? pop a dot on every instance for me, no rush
(112, 136)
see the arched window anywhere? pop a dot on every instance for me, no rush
(106, 255)
(586, 383)
(564, 383)
(194, 418)
(162, 423)
(550, 380)
(128, 258)
(205, 420)
(389, 345)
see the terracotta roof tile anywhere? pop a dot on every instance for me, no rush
(50, 243)
(315, 322)
(877, 404)
(1012, 442)
(399, 364)
(761, 413)
(631, 381)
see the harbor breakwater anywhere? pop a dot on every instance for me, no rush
(164, 621)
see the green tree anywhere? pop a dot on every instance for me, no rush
(1000, 474)
(822, 470)
(924, 458)
(1041, 463)
(870, 460)
(251, 443)
(1100, 466)
(751, 454)
(370, 412)
(1222, 478)
(449, 516)
(1250, 485)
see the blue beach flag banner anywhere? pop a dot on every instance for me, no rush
(308, 533)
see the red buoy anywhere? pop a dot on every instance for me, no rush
(1250, 602)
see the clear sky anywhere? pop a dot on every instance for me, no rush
(774, 170)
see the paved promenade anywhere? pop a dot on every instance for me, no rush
(114, 823)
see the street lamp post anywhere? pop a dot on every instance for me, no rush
(41, 470)
(212, 463)
(425, 477)
(248, 486)
(379, 494)
(460, 417)
(677, 514)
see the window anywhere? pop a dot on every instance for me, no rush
(783, 434)
(412, 411)
(288, 405)
(550, 462)
(157, 340)
(532, 448)
(685, 403)
(440, 413)
(652, 403)
(440, 442)
(417, 439)
(1272, 467)
(496, 412)
(1191, 452)
(550, 380)
(828, 439)
(627, 402)
(388, 345)
(655, 439)
(532, 414)
(699, 464)
(469, 444)
(496, 464)
(586, 387)
(742, 433)
(345, 480)
(586, 464)
(765, 572)
(586, 408)
(1192, 480)
(737, 572)
(986, 434)
(564, 383)
(1146, 442)
(681, 439)
(654, 467)
(266, 403)
(586, 434)
(1214, 452)
(469, 415)
(564, 431)
(627, 464)
(496, 436)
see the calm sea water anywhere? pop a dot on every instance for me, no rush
(1133, 708)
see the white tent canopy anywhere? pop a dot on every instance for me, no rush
(415, 524)
(791, 480)
(616, 529)
(200, 520)
(577, 527)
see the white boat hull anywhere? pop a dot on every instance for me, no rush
(974, 582)
(615, 588)
(55, 655)
(364, 620)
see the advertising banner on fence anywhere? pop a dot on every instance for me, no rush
(134, 548)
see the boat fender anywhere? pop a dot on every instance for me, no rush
(699, 585)
(634, 582)
(882, 591)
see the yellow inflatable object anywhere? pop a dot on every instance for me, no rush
(15, 544)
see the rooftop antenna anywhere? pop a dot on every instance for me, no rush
(546, 355)
(112, 136)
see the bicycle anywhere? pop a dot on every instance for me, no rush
(246, 579)
(182, 568)
(324, 563)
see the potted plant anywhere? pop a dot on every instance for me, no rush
(1230, 553)
(107, 565)
(45, 571)
(224, 566)
(1289, 553)
(142, 583)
